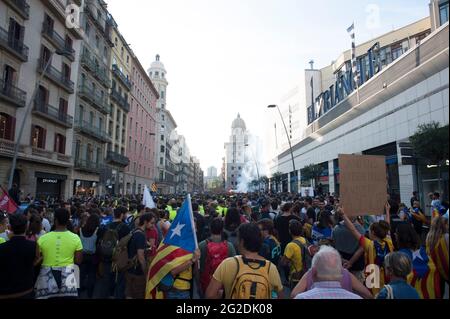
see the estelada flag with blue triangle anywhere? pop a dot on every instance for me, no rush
(177, 248)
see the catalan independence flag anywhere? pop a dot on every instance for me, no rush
(177, 248)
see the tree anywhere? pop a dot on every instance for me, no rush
(312, 172)
(277, 178)
(253, 184)
(431, 146)
(264, 180)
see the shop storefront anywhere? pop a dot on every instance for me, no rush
(49, 185)
(85, 188)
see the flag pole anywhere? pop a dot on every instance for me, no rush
(191, 213)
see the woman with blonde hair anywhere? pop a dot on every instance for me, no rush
(437, 247)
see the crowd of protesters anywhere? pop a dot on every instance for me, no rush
(276, 245)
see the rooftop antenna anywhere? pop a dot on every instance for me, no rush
(312, 64)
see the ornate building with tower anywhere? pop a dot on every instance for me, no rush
(235, 154)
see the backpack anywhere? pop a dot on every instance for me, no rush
(120, 259)
(306, 262)
(251, 282)
(109, 241)
(215, 254)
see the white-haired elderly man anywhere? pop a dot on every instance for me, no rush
(327, 274)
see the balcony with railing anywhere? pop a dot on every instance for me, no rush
(88, 166)
(21, 7)
(121, 100)
(7, 147)
(57, 77)
(116, 158)
(91, 130)
(58, 41)
(14, 46)
(93, 15)
(94, 98)
(121, 76)
(52, 114)
(96, 70)
(12, 94)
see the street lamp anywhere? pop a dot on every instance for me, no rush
(287, 134)
(28, 110)
(257, 167)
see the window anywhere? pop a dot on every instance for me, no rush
(161, 161)
(163, 149)
(38, 135)
(66, 72)
(69, 42)
(162, 138)
(16, 32)
(60, 144)
(42, 97)
(45, 56)
(88, 29)
(7, 127)
(91, 118)
(397, 52)
(443, 12)
(97, 41)
(162, 94)
(99, 155)
(49, 23)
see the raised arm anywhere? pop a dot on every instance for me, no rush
(348, 223)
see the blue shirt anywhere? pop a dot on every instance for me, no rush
(401, 289)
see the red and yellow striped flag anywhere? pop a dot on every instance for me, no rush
(177, 248)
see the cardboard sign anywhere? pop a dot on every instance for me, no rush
(363, 184)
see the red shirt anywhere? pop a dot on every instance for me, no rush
(152, 233)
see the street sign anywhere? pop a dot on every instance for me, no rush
(409, 161)
(407, 152)
(405, 145)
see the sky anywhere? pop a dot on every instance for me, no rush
(225, 57)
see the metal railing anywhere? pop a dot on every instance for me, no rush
(22, 7)
(53, 113)
(121, 100)
(12, 93)
(57, 77)
(118, 158)
(95, 98)
(14, 45)
(58, 40)
(98, 71)
(90, 129)
(88, 166)
(119, 74)
(7, 147)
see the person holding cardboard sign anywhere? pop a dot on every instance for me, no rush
(376, 247)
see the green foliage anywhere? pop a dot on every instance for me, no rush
(430, 143)
(312, 171)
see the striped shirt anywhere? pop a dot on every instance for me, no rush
(327, 290)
